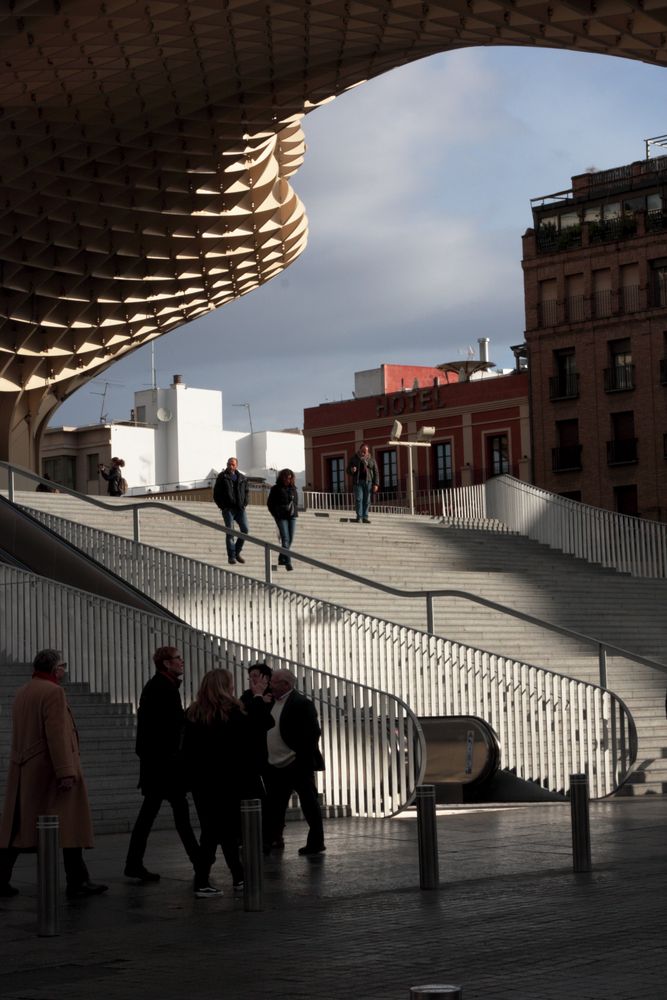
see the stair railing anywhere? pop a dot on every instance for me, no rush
(549, 725)
(628, 544)
(371, 740)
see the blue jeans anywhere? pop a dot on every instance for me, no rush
(234, 545)
(362, 498)
(286, 526)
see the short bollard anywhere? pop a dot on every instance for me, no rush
(435, 992)
(253, 864)
(429, 868)
(581, 832)
(48, 860)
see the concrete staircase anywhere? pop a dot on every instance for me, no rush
(107, 733)
(420, 554)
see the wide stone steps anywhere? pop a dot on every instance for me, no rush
(421, 554)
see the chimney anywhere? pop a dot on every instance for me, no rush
(178, 380)
(483, 349)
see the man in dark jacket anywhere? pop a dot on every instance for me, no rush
(230, 493)
(365, 482)
(160, 721)
(294, 756)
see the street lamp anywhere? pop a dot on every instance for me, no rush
(424, 434)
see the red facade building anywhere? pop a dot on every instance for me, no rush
(481, 428)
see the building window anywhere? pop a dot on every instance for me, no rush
(92, 463)
(625, 498)
(497, 454)
(566, 456)
(602, 292)
(574, 298)
(388, 470)
(336, 475)
(659, 282)
(571, 495)
(565, 383)
(629, 287)
(622, 449)
(140, 414)
(442, 465)
(621, 372)
(547, 308)
(62, 469)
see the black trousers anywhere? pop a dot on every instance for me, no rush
(220, 821)
(150, 807)
(281, 782)
(76, 872)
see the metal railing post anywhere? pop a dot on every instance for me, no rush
(581, 834)
(48, 829)
(429, 614)
(135, 523)
(253, 867)
(267, 564)
(433, 992)
(602, 660)
(429, 871)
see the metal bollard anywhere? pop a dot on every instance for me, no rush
(433, 992)
(429, 870)
(581, 833)
(48, 859)
(253, 862)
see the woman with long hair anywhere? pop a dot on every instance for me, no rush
(219, 747)
(283, 504)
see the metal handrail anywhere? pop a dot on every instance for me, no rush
(372, 740)
(603, 647)
(436, 676)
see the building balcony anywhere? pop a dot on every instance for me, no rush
(602, 303)
(564, 386)
(575, 309)
(547, 313)
(622, 452)
(566, 459)
(619, 378)
(629, 300)
(656, 221)
(610, 230)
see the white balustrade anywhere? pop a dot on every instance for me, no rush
(628, 544)
(549, 725)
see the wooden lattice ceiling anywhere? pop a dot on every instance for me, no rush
(147, 145)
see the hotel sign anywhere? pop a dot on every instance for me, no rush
(417, 401)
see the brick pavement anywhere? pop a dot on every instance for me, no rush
(510, 920)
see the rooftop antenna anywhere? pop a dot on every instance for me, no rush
(247, 406)
(104, 417)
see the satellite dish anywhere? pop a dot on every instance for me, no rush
(164, 415)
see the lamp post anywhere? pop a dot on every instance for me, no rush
(423, 440)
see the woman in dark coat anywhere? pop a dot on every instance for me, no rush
(221, 761)
(113, 477)
(283, 504)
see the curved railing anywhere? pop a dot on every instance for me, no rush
(371, 740)
(628, 544)
(549, 725)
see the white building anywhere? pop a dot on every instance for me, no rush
(174, 440)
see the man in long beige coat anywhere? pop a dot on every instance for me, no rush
(45, 778)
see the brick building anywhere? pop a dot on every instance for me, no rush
(595, 273)
(481, 427)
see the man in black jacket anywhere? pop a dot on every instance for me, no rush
(294, 756)
(160, 721)
(230, 493)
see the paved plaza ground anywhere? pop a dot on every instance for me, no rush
(510, 919)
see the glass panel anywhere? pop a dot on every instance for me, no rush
(612, 211)
(654, 202)
(593, 213)
(569, 219)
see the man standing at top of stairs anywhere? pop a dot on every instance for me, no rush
(365, 482)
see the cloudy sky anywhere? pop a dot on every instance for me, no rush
(417, 187)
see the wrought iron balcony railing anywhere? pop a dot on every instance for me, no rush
(619, 378)
(622, 452)
(564, 386)
(566, 459)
